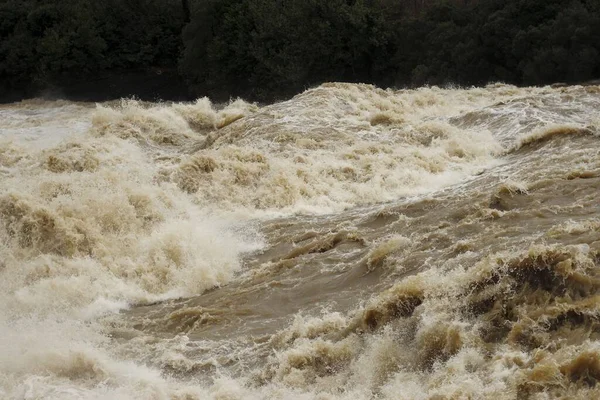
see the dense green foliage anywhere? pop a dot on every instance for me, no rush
(264, 49)
(260, 47)
(43, 41)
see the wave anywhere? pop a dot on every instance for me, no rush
(551, 132)
(332, 148)
(129, 230)
(511, 326)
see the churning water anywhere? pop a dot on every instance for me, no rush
(350, 243)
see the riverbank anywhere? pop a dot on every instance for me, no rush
(151, 84)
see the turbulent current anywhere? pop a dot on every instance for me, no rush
(349, 243)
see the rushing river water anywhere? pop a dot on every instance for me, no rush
(350, 243)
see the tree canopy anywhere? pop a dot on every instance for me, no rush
(43, 41)
(265, 49)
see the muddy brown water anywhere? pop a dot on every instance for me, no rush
(351, 242)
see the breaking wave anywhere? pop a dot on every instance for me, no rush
(349, 243)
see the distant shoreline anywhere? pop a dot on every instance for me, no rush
(146, 85)
(151, 84)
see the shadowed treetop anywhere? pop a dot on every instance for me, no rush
(266, 49)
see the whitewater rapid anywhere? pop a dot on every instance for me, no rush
(349, 243)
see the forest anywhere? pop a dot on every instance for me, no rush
(270, 49)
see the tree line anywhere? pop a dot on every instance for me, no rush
(268, 49)
(60, 42)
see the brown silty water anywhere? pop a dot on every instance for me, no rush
(351, 242)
